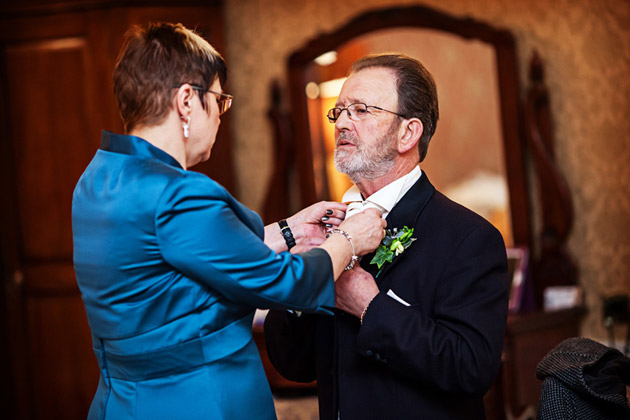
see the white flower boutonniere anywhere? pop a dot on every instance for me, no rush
(393, 244)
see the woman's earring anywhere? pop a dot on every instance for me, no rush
(186, 126)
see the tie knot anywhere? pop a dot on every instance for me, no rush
(355, 207)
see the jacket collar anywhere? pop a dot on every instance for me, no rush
(405, 213)
(135, 146)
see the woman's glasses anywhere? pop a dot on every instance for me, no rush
(224, 101)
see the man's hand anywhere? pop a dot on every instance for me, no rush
(354, 290)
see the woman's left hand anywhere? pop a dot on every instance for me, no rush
(309, 225)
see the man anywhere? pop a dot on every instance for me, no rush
(422, 337)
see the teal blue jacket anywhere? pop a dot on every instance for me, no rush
(171, 269)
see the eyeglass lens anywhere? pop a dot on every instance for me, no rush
(355, 112)
(224, 104)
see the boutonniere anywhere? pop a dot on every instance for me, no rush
(393, 244)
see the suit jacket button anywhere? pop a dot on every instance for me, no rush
(369, 353)
(377, 356)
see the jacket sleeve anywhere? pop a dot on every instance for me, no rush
(456, 345)
(208, 236)
(290, 344)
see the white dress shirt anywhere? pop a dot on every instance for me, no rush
(384, 199)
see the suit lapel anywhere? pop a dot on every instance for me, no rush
(405, 213)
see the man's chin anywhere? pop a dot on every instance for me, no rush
(347, 169)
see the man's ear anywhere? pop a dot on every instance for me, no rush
(409, 134)
(183, 100)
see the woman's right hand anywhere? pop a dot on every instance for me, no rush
(367, 229)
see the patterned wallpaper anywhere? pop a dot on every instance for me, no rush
(585, 45)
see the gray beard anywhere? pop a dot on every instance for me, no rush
(362, 164)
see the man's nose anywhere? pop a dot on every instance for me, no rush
(343, 121)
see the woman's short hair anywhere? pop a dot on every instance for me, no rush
(154, 60)
(417, 94)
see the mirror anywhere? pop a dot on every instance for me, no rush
(465, 161)
(478, 143)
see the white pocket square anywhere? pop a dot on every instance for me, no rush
(394, 296)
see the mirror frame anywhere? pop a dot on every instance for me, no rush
(421, 17)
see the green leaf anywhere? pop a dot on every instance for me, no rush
(383, 255)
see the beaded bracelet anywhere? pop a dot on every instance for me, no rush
(349, 238)
(365, 310)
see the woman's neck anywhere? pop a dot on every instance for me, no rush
(167, 137)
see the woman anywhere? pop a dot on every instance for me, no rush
(170, 266)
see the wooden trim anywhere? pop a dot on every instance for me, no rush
(520, 324)
(27, 9)
(14, 387)
(553, 264)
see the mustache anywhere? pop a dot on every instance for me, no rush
(344, 135)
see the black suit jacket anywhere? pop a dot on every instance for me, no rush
(432, 359)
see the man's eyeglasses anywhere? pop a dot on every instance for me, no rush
(224, 101)
(356, 112)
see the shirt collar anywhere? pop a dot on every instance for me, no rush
(388, 196)
(136, 146)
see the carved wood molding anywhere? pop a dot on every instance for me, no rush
(553, 265)
(276, 204)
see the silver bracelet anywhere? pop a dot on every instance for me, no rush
(354, 259)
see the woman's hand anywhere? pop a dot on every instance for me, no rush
(367, 229)
(309, 226)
